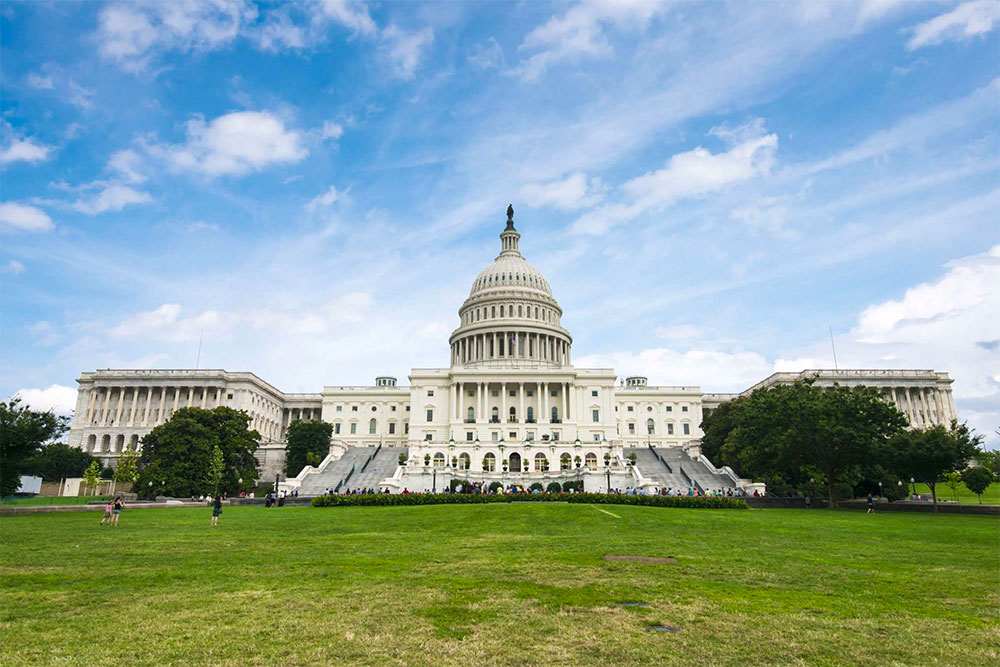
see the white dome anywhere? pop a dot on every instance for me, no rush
(510, 271)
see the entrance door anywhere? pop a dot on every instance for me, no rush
(515, 462)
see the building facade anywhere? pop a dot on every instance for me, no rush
(510, 401)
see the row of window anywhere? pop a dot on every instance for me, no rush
(649, 408)
(484, 313)
(651, 428)
(372, 427)
(514, 461)
(392, 408)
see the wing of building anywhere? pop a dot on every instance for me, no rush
(510, 408)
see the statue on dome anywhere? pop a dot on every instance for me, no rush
(510, 212)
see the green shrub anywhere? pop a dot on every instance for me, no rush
(108, 473)
(494, 486)
(398, 500)
(554, 487)
(536, 487)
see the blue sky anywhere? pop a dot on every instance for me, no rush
(708, 187)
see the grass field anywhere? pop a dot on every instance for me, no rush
(499, 584)
(34, 501)
(990, 496)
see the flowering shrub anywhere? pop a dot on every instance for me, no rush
(399, 499)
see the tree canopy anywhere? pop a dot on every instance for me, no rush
(801, 431)
(57, 460)
(22, 432)
(977, 480)
(308, 440)
(927, 454)
(176, 455)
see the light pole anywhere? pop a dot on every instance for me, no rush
(607, 472)
(914, 483)
(434, 480)
(880, 489)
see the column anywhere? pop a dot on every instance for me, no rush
(204, 395)
(163, 405)
(544, 388)
(145, 408)
(909, 407)
(481, 387)
(135, 404)
(121, 402)
(190, 396)
(503, 403)
(494, 354)
(454, 400)
(932, 412)
(569, 360)
(562, 390)
(520, 398)
(570, 408)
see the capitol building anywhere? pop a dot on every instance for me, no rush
(510, 408)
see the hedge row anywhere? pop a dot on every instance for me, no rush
(399, 499)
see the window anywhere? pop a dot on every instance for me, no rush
(468, 436)
(439, 460)
(513, 392)
(565, 462)
(372, 426)
(493, 311)
(670, 408)
(541, 463)
(392, 408)
(597, 415)
(630, 408)
(496, 436)
(340, 408)
(597, 437)
(593, 393)
(684, 408)
(336, 428)
(464, 461)
(555, 435)
(229, 396)
(489, 463)
(529, 436)
(430, 415)
(512, 435)
(428, 436)
(555, 392)
(670, 429)
(407, 408)
(650, 427)
(687, 429)
(531, 415)
(495, 415)
(496, 393)
(471, 415)
(631, 428)
(649, 408)
(406, 428)
(591, 460)
(374, 408)
(392, 427)
(555, 415)
(430, 392)
(354, 428)
(354, 408)
(472, 392)
(531, 392)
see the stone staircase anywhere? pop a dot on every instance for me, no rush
(677, 470)
(316, 483)
(382, 466)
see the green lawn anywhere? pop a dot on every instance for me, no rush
(12, 501)
(499, 584)
(991, 495)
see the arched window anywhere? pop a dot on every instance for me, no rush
(91, 443)
(477, 314)
(591, 461)
(105, 443)
(501, 311)
(565, 462)
(472, 415)
(531, 415)
(513, 415)
(495, 415)
(489, 463)
(650, 428)
(119, 443)
(493, 311)
(541, 463)
(515, 462)
(520, 312)
(464, 462)
(536, 312)
(439, 460)
(555, 415)
(372, 424)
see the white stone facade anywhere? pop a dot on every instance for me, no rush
(510, 401)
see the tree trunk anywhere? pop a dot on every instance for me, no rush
(933, 486)
(831, 491)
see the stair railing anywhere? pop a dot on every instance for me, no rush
(661, 459)
(344, 481)
(371, 457)
(690, 480)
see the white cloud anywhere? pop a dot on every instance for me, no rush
(713, 370)
(488, 55)
(16, 217)
(14, 267)
(57, 398)
(331, 130)
(113, 197)
(571, 193)
(132, 34)
(127, 163)
(690, 174)
(403, 49)
(581, 32)
(24, 150)
(323, 200)
(352, 14)
(235, 143)
(166, 324)
(678, 332)
(964, 22)
(40, 81)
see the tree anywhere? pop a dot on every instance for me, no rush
(22, 432)
(216, 466)
(952, 480)
(57, 460)
(927, 454)
(176, 454)
(128, 467)
(91, 478)
(977, 480)
(802, 430)
(305, 437)
(989, 459)
(716, 427)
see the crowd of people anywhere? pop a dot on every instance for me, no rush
(492, 489)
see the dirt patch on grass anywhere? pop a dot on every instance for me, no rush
(638, 559)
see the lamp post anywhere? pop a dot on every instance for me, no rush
(880, 489)
(434, 477)
(607, 473)
(914, 483)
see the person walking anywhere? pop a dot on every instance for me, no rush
(107, 513)
(116, 510)
(871, 505)
(216, 509)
